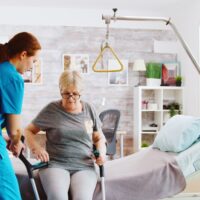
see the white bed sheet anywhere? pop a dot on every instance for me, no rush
(189, 160)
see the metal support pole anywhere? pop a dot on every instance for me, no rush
(159, 19)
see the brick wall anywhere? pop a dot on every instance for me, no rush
(128, 43)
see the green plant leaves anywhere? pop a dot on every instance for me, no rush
(153, 70)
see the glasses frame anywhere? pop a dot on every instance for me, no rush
(70, 95)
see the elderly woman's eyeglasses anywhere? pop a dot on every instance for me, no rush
(68, 95)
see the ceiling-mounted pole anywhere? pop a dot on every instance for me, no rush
(159, 19)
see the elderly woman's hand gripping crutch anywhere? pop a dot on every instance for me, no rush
(30, 168)
(18, 151)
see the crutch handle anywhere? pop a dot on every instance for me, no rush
(31, 167)
(95, 151)
(97, 154)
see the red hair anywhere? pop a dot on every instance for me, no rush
(20, 42)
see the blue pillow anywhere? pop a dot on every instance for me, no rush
(179, 133)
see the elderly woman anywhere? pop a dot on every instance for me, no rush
(72, 127)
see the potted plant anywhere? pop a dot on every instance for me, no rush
(178, 80)
(153, 73)
(145, 144)
(174, 109)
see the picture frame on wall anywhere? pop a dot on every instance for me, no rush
(118, 78)
(79, 62)
(35, 74)
(169, 72)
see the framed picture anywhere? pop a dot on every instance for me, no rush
(79, 62)
(34, 75)
(118, 78)
(169, 72)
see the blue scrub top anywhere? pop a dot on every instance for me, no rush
(11, 97)
(11, 92)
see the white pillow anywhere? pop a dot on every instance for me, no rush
(179, 133)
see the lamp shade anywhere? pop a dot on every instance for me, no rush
(139, 65)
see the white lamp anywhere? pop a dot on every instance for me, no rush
(139, 65)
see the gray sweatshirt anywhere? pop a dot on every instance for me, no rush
(69, 136)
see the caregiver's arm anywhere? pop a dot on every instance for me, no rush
(13, 127)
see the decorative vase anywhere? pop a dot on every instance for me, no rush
(178, 83)
(153, 82)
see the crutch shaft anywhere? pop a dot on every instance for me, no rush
(101, 169)
(103, 188)
(34, 189)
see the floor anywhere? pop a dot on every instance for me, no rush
(193, 183)
(192, 190)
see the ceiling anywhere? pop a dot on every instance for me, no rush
(94, 4)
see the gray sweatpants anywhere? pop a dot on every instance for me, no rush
(57, 182)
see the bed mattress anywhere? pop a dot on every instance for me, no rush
(189, 160)
(156, 172)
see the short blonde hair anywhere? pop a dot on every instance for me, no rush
(70, 78)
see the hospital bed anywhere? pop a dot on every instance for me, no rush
(189, 162)
(147, 175)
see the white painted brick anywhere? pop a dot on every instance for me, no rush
(128, 43)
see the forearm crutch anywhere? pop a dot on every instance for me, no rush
(101, 169)
(30, 168)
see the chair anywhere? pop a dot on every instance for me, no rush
(110, 121)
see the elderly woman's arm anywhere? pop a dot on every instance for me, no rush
(100, 143)
(38, 151)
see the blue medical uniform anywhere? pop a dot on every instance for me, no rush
(11, 97)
